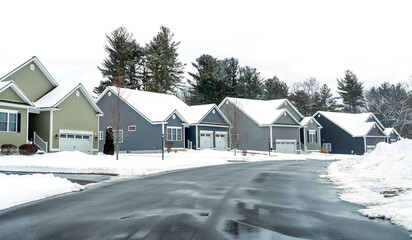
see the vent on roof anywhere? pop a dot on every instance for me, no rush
(213, 111)
(32, 67)
(110, 94)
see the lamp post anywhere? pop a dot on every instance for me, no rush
(269, 145)
(163, 140)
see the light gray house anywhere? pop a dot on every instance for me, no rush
(146, 117)
(274, 124)
(310, 134)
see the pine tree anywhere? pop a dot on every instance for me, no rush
(305, 96)
(351, 92)
(250, 83)
(164, 68)
(124, 56)
(327, 102)
(231, 75)
(301, 100)
(208, 84)
(275, 89)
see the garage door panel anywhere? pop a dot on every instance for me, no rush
(206, 140)
(221, 141)
(285, 146)
(76, 142)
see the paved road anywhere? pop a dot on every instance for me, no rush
(271, 200)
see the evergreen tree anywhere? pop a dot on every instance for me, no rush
(124, 56)
(327, 102)
(164, 68)
(231, 74)
(351, 92)
(250, 83)
(275, 89)
(301, 100)
(208, 84)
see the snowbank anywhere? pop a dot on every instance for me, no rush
(19, 189)
(135, 164)
(380, 180)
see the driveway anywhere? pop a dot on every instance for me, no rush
(266, 200)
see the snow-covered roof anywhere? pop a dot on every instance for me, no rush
(158, 107)
(53, 98)
(263, 112)
(354, 123)
(389, 131)
(306, 120)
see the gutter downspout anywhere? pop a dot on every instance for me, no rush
(271, 138)
(364, 144)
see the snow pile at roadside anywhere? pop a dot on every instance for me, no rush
(380, 180)
(134, 164)
(19, 189)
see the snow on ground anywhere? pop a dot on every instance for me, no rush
(380, 180)
(20, 189)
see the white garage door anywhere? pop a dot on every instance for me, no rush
(206, 139)
(286, 146)
(76, 142)
(221, 141)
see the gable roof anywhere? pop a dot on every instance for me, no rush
(353, 123)
(306, 120)
(60, 93)
(10, 84)
(39, 64)
(388, 131)
(262, 112)
(158, 107)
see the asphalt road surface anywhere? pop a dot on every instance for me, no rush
(268, 200)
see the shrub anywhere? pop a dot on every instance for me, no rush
(108, 147)
(27, 149)
(169, 146)
(8, 149)
(323, 150)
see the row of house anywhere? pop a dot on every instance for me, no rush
(34, 108)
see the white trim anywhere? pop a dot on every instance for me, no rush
(51, 133)
(208, 132)
(27, 126)
(286, 140)
(364, 143)
(39, 65)
(319, 138)
(304, 137)
(221, 132)
(86, 94)
(312, 132)
(69, 131)
(128, 128)
(281, 125)
(100, 136)
(177, 128)
(178, 114)
(197, 137)
(293, 107)
(290, 115)
(374, 126)
(15, 105)
(206, 125)
(120, 140)
(316, 122)
(9, 111)
(18, 91)
(215, 107)
(271, 136)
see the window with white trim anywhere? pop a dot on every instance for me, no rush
(8, 121)
(120, 136)
(100, 135)
(312, 136)
(131, 128)
(174, 134)
(327, 146)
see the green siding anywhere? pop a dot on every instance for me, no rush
(10, 95)
(76, 113)
(14, 137)
(34, 83)
(40, 123)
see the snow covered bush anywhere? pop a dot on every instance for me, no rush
(8, 149)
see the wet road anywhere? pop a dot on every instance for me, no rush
(270, 200)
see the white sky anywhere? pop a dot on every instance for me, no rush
(293, 39)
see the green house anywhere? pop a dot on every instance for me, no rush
(34, 108)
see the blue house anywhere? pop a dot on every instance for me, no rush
(275, 124)
(350, 133)
(145, 117)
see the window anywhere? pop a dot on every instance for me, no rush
(370, 148)
(131, 128)
(8, 122)
(327, 146)
(79, 136)
(174, 134)
(86, 137)
(62, 135)
(120, 136)
(100, 135)
(312, 136)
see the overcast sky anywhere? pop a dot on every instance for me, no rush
(293, 40)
